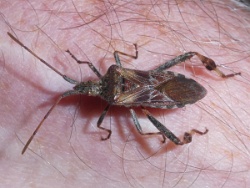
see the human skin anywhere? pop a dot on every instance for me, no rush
(68, 151)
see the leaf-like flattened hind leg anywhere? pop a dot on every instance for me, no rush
(207, 62)
(170, 135)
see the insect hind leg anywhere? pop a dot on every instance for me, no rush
(207, 62)
(167, 133)
(139, 129)
(117, 58)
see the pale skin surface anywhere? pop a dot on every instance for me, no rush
(162, 31)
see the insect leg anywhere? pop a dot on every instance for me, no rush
(91, 66)
(207, 62)
(99, 122)
(70, 80)
(66, 94)
(138, 126)
(117, 59)
(166, 132)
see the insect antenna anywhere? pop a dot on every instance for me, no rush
(66, 94)
(40, 124)
(70, 80)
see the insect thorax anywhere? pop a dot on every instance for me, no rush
(111, 84)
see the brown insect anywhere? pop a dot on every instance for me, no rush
(132, 88)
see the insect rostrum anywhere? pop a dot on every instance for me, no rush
(155, 88)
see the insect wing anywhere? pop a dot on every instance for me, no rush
(157, 89)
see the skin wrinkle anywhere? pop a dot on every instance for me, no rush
(67, 151)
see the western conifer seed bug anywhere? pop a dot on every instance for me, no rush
(132, 88)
